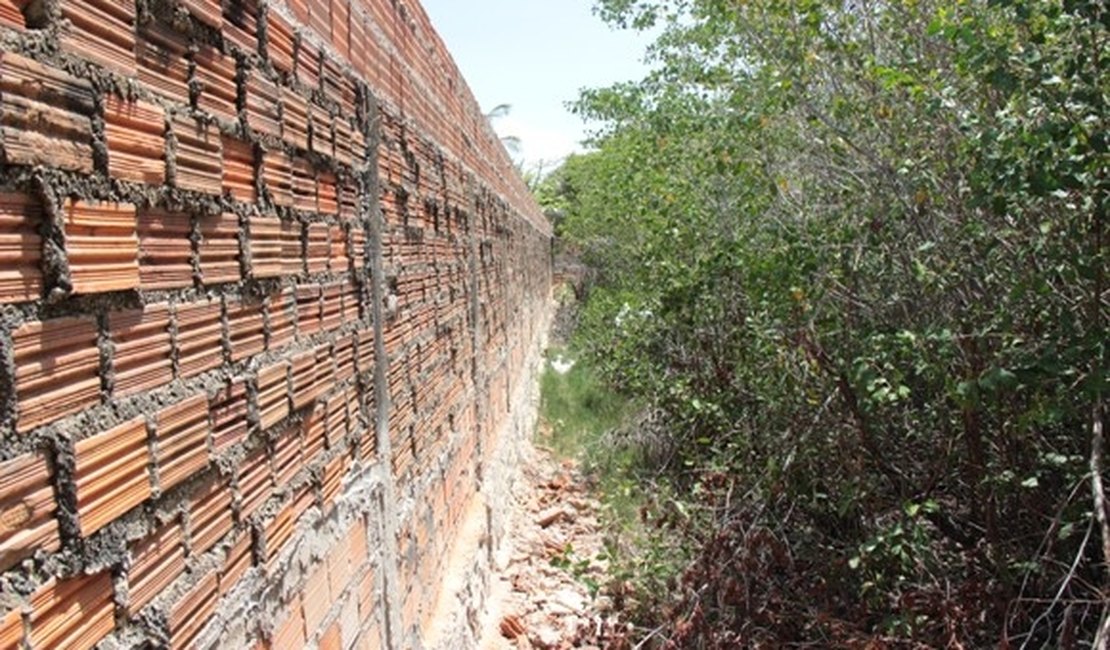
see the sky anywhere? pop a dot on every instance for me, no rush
(535, 55)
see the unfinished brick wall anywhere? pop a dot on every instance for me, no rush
(270, 300)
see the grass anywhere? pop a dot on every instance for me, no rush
(577, 407)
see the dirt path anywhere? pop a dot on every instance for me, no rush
(544, 595)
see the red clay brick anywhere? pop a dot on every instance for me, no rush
(331, 78)
(239, 170)
(316, 599)
(290, 633)
(182, 432)
(294, 119)
(255, 483)
(26, 509)
(304, 185)
(214, 74)
(339, 262)
(102, 246)
(331, 639)
(103, 31)
(209, 515)
(199, 156)
(11, 630)
(57, 368)
(163, 66)
(344, 358)
(280, 319)
(340, 26)
(327, 199)
(135, 131)
(273, 394)
(263, 101)
(11, 16)
(141, 361)
(308, 309)
(288, 456)
(165, 250)
(322, 140)
(275, 247)
(20, 248)
(74, 614)
(199, 332)
(219, 248)
(156, 562)
(319, 18)
(229, 415)
(314, 433)
(190, 614)
(206, 11)
(334, 472)
(45, 115)
(332, 310)
(237, 562)
(277, 175)
(111, 474)
(318, 249)
(241, 24)
(358, 247)
(245, 329)
(336, 424)
(307, 65)
(279, 36)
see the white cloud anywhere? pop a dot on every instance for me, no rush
(537, 144)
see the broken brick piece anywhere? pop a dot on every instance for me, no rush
(165, 249)
(199, 333)
(135, 131)
(215, 78)
(102, 246)
(141, 361)
(102, 31)
(111, 474)
(75, 613)
(209, 515)
(190, 614)
(182, 434)
(219, 248)
(44, 115)
(157, 561)
(27, 508)
(199, 156)
(239, 168)
(57, 366)
(20, 248)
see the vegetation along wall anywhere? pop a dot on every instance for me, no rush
(271, 296)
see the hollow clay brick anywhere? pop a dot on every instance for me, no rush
(57, 367)
(101, 31)
(209, 515)
(165, 249)
(199, 156)
(277, 174)
(263, 101)
(255, 483)
(163, 66)
(156, 562)
(27, 508)
(135, 131)
(229, 415)
(141, 360)
(214, 75)
(75, 613)
(20, 248)
(273, 394)
(239, 168)
(190, 614)
(199, 332)
(238, 561)
(280, 39)
(182, 435)
(102, 246)
(274, 246)
(44, 115)
(206, 11)
(240, 25)
(111, 474)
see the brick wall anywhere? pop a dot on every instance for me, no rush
(270, 306)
